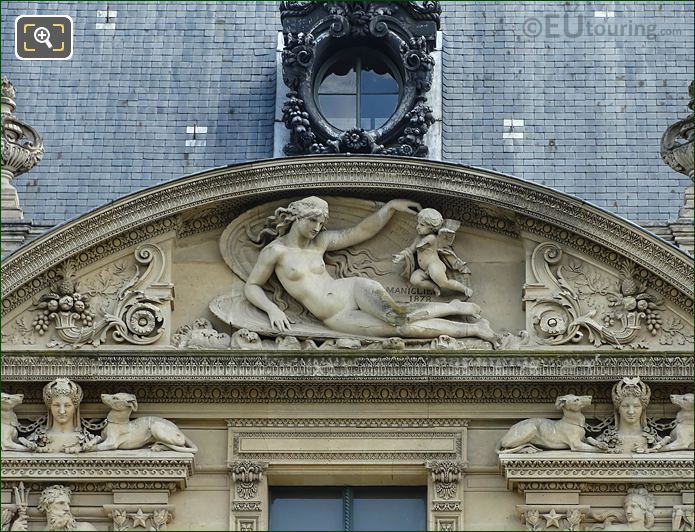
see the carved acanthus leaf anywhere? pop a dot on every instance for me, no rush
(247, 474)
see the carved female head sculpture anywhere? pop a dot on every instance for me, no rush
(281, 221)
(630, 400)
(62, 398)
(639, 509)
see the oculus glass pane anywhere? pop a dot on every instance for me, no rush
(358, 89)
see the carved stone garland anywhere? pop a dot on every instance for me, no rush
(313, 31)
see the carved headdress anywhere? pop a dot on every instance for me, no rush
(631, 387)
(63, 387)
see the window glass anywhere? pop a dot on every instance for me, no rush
(375, 79)
(301, 508)
(341, 78)
(339, 109)
(389, 509)
(348, 508)
(376, 109)
(358, 89)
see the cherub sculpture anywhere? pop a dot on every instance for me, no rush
(428, 258)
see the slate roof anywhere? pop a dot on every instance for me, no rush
(114, 118)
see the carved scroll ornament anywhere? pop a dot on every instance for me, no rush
(626, 313)
(136, 316)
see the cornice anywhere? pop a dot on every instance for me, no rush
(567, 467)
(99, 467)
(341, 368)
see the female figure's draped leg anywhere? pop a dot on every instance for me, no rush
(372, 298)
(378, 314)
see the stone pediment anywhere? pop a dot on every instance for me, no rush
(165, 269)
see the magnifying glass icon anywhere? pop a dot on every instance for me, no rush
(43, 36)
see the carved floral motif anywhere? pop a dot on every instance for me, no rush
(85, 311)
(247, 475)
(446, 475)
(571, 303)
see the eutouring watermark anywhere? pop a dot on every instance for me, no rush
(577, 26)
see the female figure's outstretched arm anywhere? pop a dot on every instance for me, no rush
(369, 227)
(253, 290)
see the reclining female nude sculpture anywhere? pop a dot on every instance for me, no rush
(295, 241)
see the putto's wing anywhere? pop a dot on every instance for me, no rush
(445, 238)
(451, 225)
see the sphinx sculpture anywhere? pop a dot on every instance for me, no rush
(628, 430)
(293, 245)
(64, 431)
(569, 432)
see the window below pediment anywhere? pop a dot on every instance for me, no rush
(348, 508)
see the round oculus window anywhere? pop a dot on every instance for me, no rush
(358, 89)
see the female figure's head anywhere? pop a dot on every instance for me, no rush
(312, 208)
(639, 509)
(630, 400)
(62, 398)
(428, 221)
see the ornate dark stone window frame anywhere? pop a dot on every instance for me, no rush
(405, 32)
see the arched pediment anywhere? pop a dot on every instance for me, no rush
(484, 201)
